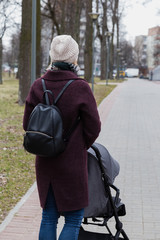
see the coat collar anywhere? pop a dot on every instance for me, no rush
(60, 75)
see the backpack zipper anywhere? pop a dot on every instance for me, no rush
(44, 134)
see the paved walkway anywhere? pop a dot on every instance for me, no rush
(131, 133)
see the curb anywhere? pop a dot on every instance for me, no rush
(11, 214)
(108, 102)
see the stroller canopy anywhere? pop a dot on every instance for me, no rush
(110, 165)
(98, 199)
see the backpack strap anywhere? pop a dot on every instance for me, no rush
(62, 91)
(46, 93)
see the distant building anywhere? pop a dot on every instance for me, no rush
(147, 51)
(153, 47)
(141, 50)
(140, 54)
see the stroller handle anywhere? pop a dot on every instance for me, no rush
(97, 152)
(98, 155)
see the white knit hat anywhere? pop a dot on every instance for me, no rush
(64, 48)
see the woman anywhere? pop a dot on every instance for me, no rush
(62, 181)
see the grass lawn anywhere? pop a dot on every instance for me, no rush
(16, 166)
(17, 172)
(102, 91)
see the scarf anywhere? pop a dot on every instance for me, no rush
(64, 66)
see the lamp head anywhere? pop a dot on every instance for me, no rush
(94, 15)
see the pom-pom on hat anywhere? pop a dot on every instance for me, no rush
(64, 49)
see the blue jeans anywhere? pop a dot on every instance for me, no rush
(50, 215)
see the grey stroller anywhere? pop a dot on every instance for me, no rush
(102, 170)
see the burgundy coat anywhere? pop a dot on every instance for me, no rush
(67, 173)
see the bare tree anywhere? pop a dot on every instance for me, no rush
(113, 5)
(61, 17)
(7, 20)
(88, 42)
(139, 51)
(102, 34)
(25, 49)
(127, 53)
(3, 17)
(12, 52)
(3, 26)
(65, 16)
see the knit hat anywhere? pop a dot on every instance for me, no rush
(64, 48)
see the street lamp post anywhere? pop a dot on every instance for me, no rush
(33, 55)
(118, 51)
(108, 57)
(94, 17)
(123, 67)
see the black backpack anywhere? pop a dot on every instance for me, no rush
(44, 135)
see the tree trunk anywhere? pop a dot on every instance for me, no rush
(1, 48)
(88, 43)
(114, 8)
(62, 20)
(72, 12)
(103, 59)
(78, 9)
(118, 49)
(38, 41)
(25, 51)
(111, 60)
(104, 42)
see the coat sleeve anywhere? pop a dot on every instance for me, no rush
(31, 101)
(89, 115)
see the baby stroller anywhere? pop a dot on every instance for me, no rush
(102, 170)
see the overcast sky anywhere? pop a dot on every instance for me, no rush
(139, 18)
